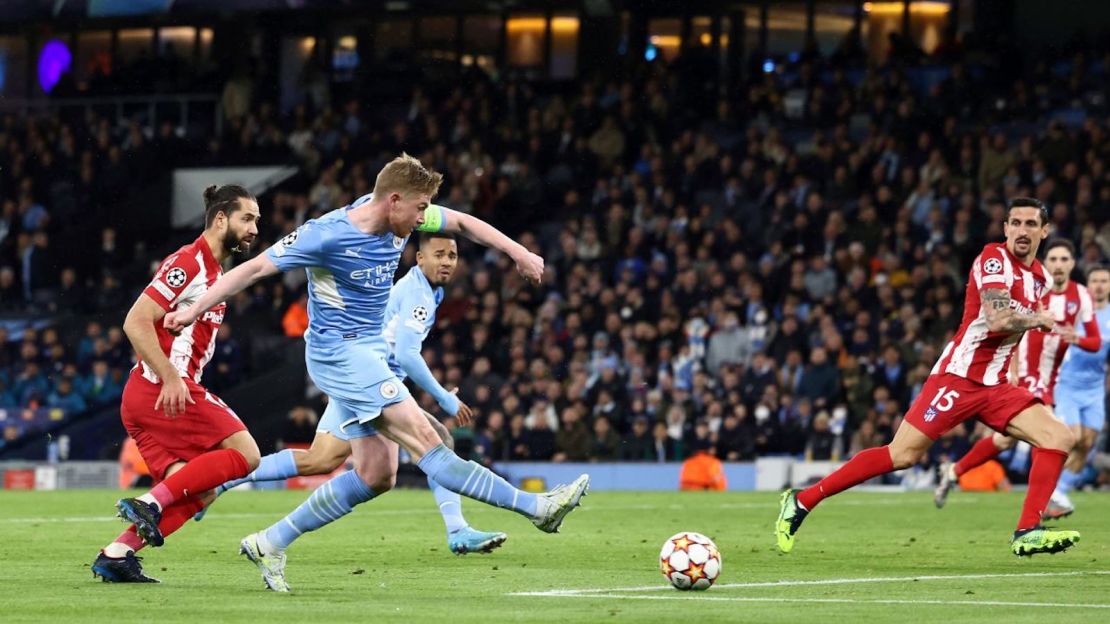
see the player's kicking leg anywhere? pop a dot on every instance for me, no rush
(1051, 440)
(986, 449)
(404, 423)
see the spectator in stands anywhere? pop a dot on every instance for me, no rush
(664, 448)
(820, 383)
(730, 344)
(605, 445)
(637, 445)
(572, 442)
(822, 444)
(65, 397)
(98, 387)
(736, 437)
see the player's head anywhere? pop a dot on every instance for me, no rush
(1026, 226)
(407, 187)
(232, 213)
(438, 257)
(1098, 282)
(1059, 259)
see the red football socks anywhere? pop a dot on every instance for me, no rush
(865, 465)
(1043, 474)
(200, 474)
(983, 451)
(173, 518)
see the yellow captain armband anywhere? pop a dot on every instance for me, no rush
(434, 219)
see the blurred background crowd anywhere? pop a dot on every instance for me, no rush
(771, 269)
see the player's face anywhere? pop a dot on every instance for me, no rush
(242, 226)
(1024, 232)
(406, 212)
(1059, 263)
(1098, 283)
(438, 259)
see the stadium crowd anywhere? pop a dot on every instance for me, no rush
(770, 272)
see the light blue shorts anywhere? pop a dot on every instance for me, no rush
(355, 375)
(1084, 406)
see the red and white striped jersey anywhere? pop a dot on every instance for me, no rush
(1041, 352)
(181, 279)
(976, 353)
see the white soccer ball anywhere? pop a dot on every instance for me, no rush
(690, 561)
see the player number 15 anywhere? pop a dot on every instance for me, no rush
(944, 399)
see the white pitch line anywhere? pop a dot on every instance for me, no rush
(975, 603)
(801, 583)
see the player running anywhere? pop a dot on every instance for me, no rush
(1004, 289)
(1081, 395)
(410, 316)
(189, 438)
(1037, 365)
(351, 255)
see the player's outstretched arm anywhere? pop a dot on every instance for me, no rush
(230, 284)
(529, 264)
(1001, 318)
(408, 356)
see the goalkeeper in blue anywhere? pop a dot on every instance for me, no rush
(351, 255)
(410, 316)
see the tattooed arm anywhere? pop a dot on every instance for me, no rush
(1001, 318)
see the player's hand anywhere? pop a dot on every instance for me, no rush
(177, 320)
(1067, 333)
(530, 266)
(173, 397)
(1046, 319)
(465, 415)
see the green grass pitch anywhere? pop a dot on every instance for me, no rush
(867, 557)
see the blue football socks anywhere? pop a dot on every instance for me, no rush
(450, 506)
(475, 481)
(328, 503)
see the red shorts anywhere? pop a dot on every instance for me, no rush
(947, 400)
(164, 441)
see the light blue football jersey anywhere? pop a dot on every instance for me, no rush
(411, 310)
(350, 273)
(1084, 369)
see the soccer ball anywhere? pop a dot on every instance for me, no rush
(690, 561)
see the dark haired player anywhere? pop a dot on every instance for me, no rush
(1037, 363)
(970, 380)
(189, 438)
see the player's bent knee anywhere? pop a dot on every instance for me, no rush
(1060, 437)
(378, 480)
(904, 458)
